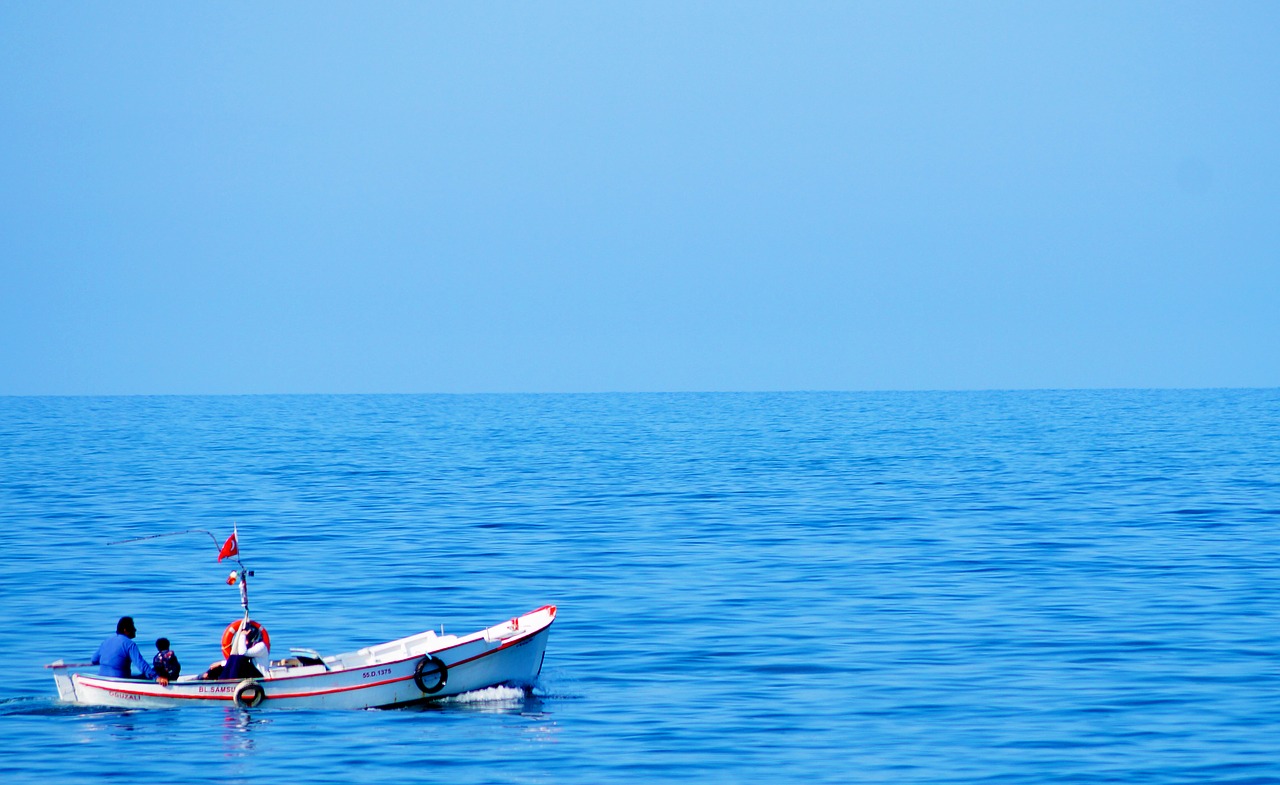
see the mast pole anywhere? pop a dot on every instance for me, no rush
(244, 575)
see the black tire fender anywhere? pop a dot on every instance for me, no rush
(248, 693)
(428, 667)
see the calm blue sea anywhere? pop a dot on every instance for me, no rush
(995, 587)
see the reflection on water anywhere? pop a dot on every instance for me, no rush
(235, 726)
(543, 728)
(117, 725)
(237, 730)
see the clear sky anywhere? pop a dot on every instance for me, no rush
(506, 197)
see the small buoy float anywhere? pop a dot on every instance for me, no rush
(229, 635)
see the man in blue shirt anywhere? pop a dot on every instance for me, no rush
(117, 652)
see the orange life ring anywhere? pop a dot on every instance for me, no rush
(229, 635)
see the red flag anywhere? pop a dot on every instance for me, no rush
(229, 548)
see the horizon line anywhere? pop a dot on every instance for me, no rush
(797, 391)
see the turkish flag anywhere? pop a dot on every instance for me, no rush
(229, 548)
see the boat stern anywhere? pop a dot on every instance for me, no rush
(66, 685)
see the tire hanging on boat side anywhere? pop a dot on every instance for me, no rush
(248, 694)
(429, 666)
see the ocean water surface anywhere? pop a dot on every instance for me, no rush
(996, 587)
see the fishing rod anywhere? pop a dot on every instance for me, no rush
(229, 549)
(169, 534)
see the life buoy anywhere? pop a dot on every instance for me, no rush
(229, 635)
(430, 666)
(248, 694)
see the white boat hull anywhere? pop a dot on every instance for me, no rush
(377, 677)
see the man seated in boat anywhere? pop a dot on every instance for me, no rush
(117, 653)
(248, 660)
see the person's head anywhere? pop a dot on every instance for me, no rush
(252, 635)
(162, 644)
(125, 627)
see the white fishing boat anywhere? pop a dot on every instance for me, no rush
(423, 667)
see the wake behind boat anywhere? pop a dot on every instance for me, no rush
(422, 667)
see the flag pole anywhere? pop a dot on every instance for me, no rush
(244, 574)
(231, 549)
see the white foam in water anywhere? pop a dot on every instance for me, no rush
(489, 694)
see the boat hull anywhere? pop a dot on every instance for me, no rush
(378, 677)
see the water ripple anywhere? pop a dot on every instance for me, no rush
(910, 587)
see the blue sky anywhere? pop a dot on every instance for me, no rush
(521, 197)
